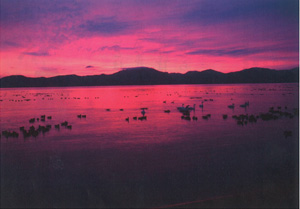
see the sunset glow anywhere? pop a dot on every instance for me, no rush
(49, 38)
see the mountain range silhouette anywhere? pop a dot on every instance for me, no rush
(150, 76)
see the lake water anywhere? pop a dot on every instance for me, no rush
(107, 161)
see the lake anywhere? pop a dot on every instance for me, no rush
(164, 159)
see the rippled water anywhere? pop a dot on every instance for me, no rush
(106, 161)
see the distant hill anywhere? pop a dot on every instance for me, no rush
(150, 76)
(140, 76)
(263, 75)
(204, 77)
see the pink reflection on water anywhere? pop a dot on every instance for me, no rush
(163, 157)
(110, 127)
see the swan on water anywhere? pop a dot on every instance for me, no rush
(201, 106)
(191, 108)
(182, 108)
(143, 112)
(231, 106)
(246, 104)
(187, 108)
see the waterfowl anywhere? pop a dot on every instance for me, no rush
(201, 106)
(25, 134)
(8, 134)
(143, 118)
(15, 134)
(205, 117)
(43, 129)
(32, 128)
(181, 108)
(5, 133)
(167, 111)
(191, 108)
(127, 119)
(187, 117)
(252, 119)
(185, 109)
(34, 133)
(246, 104)
(231, 106)
(64, 123)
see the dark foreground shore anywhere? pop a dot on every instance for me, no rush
(270, 196)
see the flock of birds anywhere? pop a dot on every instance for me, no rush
(34, 132)
(242, 119)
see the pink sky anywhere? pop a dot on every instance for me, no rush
(48, 38)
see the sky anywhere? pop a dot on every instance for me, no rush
(59, 37)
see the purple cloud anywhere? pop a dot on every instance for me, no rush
(35, 11)
(237, 52)
(38, 54)
(107, 26)
(220, 11)
(228, 52)
(116, 48)
(10, 44)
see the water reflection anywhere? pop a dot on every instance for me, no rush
(146, 146)
(125, 102)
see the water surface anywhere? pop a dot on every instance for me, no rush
(106, 161)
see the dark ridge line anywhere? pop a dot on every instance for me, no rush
(151, 76)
